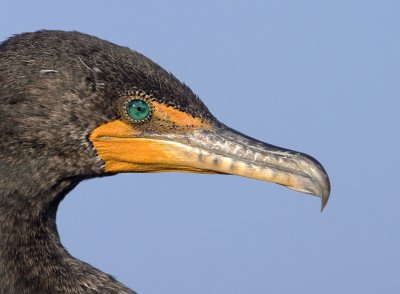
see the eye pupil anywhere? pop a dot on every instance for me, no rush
(138, 110)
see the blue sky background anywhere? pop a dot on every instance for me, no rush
(322, 77)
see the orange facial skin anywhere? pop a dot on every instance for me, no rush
(123, 146)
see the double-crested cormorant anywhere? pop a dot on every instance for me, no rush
(74, 107)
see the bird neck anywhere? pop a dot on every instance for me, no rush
(32, 259)
(30, 249)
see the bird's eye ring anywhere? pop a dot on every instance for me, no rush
(136, 109)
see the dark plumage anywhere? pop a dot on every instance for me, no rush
(55, 89)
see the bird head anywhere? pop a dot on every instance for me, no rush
(78, 106)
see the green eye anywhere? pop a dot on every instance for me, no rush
(138, 110)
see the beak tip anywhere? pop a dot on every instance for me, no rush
(321, 185)
(324, 201)
(324, 197)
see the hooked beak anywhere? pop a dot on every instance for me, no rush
(218, 149)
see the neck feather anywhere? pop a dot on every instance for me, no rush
(32, 259)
